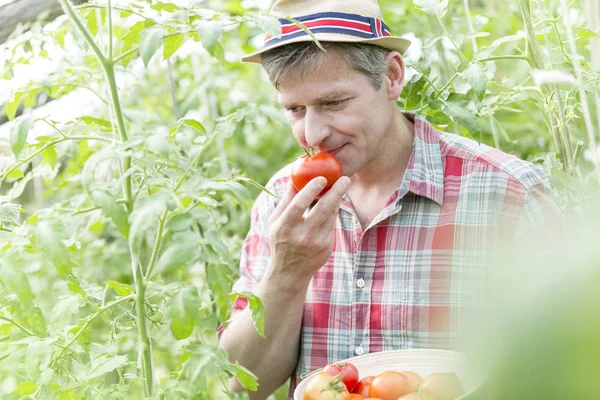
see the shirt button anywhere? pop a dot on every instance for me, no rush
(360, 283)
(359, 351)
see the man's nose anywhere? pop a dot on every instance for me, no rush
(316, 128)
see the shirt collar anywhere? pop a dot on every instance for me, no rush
(425, 171)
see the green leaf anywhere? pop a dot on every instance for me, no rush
(15, 174)
(13, 276)
(219, 281)
(75, 287)
(255, 184)
(105, 364)
(18, 134)
(246, 378)
(143, 219)
(12, 105)
(583, 33)
(194, 124)
(111, 209)
(210, 33)
(217, 244)
(159, 144)
(182, 250)
(49, 238)
(64, 309)
(180, 222)
(168, 7)
(434, 7)
(476, 76)
(25, 388)
(182, 310)
(270, 25)
(458, 111)
(92, 22)
(256, 308)
(122, 289)
(172, 44)
(50, 156)
(151, 41)
(9, 213)
(412, 92)
(89, 120)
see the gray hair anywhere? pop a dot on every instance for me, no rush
(367, 59)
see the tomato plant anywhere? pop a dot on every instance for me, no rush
(347, 370)
(309, 166)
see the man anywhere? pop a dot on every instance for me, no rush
(393, 256)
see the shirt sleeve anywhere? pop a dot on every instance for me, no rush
(256, 253)
(541, 219)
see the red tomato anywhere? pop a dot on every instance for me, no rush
(389, 385)
(324, 386)
(306, 168)
(363, 386)
(348, 372)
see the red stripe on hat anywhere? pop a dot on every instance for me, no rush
(327, 22)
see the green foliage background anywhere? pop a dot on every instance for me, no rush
(158, 183)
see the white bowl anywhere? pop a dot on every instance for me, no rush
(422, 361)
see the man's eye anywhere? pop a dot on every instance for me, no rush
(335, 103)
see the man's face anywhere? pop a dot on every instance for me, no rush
(336, 109)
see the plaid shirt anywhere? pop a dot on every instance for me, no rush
(411, 278)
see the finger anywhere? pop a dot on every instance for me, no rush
(294, 212)
(328, 206)
(285, 201)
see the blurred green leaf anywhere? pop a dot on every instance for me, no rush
(182, 310)
(9, 213)
(152, 39)
(111, 209)
(50, 236)
(18, 134)
(210, 33)
(172, 44)
(183, 249)
(121, 289)
(12, 105)
(256, 308)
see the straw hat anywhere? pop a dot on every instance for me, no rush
(358, 21)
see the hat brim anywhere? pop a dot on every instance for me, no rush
(393, 43)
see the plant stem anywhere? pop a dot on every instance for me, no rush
(89, 321)
(50, 144)
(470, 24)
(582, 94)
(159, 237)
(110, 29)
(69, 10)
(445, 30)
(145, 351)
(114, 94)
(536, 54)
(506, 57)
(145, 346)
(18, 325)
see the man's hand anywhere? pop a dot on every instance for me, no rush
(301, 245)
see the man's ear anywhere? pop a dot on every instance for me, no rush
(395, 74)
